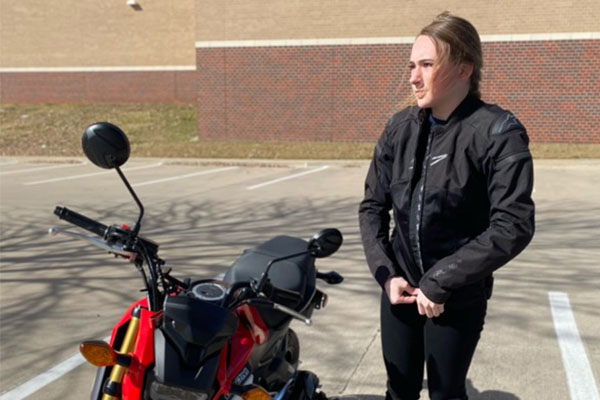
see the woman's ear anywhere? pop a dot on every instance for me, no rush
(466, 70)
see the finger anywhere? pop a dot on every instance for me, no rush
(411, 290)
(407, 299)
(430, 313)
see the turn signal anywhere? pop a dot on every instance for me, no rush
(257, 393)
(98, 353)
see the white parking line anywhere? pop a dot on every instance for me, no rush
(66, 178)
(580, 378)
(12, 162)
(285, 178)
(42, 168)
(173, 178)
(45, 378)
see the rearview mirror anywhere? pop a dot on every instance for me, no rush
(105, 145)
(325, 243)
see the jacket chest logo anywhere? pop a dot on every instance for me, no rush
(437, 159)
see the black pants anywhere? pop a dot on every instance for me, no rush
(446, 343)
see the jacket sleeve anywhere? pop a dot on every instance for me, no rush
(374, 212)
(508, 166)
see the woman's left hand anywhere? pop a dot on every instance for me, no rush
(428, 307)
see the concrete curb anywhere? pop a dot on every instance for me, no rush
(585, 163)
(267, 163)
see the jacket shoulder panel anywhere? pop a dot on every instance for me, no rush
(505, 123)
(409, 114)
(394, 125)
(505, 135)
(495, 120)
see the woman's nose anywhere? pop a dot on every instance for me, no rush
(415, 76)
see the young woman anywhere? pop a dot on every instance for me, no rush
(458, 175)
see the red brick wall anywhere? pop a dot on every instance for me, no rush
(347, 93)
(98, 87)
(552, 86)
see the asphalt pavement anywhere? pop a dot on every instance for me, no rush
(56, 292)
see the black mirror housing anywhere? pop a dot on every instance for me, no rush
(105, 145)
(325, 243)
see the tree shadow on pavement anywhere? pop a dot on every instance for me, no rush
(67, 289)
(202, 238)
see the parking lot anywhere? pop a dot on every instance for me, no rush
(56, 292)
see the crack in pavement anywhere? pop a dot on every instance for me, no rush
(362, 357)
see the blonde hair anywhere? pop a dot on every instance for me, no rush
(457, 41)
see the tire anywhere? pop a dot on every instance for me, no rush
(306, 387)
(292, 351)
(102, 375)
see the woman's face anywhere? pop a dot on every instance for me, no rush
(431, 88)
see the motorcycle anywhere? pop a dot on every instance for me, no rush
(208, 339)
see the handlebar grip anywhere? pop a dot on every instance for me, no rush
(81, 221)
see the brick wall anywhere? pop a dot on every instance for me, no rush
(552, 86)
(98, 87)
(347, 92)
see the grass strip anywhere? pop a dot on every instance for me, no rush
(171, 131)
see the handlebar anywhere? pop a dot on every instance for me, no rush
(81, 221)
(114, 249)
(120, 241)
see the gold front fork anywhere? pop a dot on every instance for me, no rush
(112, 390)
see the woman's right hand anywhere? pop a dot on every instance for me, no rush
(399, 291)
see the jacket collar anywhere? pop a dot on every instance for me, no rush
(464, 109)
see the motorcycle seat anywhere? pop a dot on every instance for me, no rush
(296, 274)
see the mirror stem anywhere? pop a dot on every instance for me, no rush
(137, 226)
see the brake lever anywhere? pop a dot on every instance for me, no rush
(118, 250)
(282, 308)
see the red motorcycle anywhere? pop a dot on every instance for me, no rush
(227, 338)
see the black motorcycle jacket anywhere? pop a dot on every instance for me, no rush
(460, 195)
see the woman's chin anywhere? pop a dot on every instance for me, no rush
(423, 103)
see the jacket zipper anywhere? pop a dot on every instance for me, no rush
(420, 201)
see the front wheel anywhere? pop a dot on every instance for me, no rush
(102, 375)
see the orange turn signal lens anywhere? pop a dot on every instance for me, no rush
(257, 393)
(98, 353)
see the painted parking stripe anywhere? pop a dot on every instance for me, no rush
(66, 178)
(46, 377)
(46, 168)
(174, 178)
(580, 379)
(285, 178)
(11, 162)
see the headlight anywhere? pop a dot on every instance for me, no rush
(158, 391)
